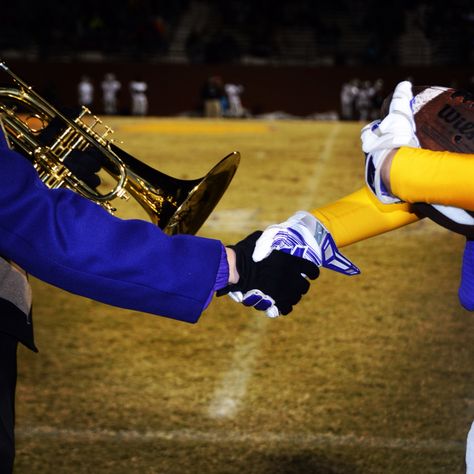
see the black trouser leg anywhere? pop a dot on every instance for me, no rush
(8, 375)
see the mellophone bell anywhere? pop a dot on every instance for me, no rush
(177, 206)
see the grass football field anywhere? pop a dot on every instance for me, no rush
(369, 374)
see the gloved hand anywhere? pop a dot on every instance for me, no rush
(380, 137)
(273, 285)
(304, 236)
(84, 165)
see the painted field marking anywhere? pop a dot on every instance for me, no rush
(320, 162)
(306, 440)
(232, 387)
(246, 219)
(196, 127)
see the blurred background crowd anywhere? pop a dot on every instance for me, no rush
(274, 31)
(266, 33)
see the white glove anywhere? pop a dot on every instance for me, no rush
(380, 137)
(304, 236)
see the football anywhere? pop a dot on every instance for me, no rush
(444, 118)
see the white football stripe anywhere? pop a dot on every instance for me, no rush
(425, 96)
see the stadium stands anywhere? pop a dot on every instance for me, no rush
(339, 32)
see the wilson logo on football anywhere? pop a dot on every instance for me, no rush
(458, 122)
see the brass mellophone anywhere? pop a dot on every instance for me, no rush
(175, 205)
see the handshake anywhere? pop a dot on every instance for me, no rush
(274, 266)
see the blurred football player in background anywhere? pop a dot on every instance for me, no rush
(138, 88)
(85, 90)
(234, 92)
(110, 88)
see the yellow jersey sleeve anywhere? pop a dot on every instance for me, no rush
(360, 215)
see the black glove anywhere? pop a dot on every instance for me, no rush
(83, 164)
(275, 281)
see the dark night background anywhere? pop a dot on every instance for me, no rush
(292, 56)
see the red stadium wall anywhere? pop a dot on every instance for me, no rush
(175, 88)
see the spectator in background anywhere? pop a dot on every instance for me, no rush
(110, 88)
(138, 88)
(212, 93)
(85, 91)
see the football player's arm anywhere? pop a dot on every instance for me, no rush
(360, 215)
(318, 236)
(434, 177)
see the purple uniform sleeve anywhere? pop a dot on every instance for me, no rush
(74, 244)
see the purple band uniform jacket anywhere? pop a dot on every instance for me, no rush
(72, 243)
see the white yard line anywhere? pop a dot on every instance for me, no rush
(314, 179)
(232, 387)
(246, 219)
(306, 440)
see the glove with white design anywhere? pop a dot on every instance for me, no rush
(380, 137)
(273, 285)
(304, 236)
